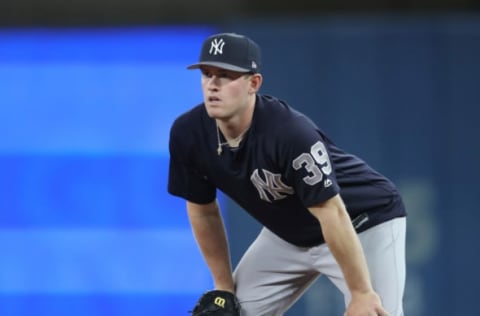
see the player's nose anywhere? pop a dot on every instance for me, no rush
(213, 82)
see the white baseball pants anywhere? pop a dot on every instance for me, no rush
(273, 273)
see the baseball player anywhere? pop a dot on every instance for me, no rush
(324, 211)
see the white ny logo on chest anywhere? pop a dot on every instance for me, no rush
(273, 185)
(216, 46)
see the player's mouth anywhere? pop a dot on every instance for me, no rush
(213, 99)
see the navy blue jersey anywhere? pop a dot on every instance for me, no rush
(284, 164)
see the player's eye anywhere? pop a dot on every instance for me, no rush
(206, 73)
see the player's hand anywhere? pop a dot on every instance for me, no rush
(365, 304)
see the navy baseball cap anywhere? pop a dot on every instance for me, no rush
(230, 51)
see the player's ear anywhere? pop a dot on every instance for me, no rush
(255, 82)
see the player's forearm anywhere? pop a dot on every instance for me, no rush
(347, 250)
(209, 232)
(344, 244)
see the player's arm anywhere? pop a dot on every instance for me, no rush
(345, 246)
(209, 231)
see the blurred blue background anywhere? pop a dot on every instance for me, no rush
(86, 103)
(86, 225)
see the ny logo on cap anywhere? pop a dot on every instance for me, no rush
(216, 46)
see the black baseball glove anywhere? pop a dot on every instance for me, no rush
(217, 303)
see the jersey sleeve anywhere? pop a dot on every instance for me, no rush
(307, 162)
(184, 179)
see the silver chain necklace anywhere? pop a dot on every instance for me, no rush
(235, 141)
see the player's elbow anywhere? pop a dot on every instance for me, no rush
(330, 211)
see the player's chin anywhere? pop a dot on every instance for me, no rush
(214, 111)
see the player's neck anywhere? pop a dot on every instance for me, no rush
(235, 127)
(231, 142)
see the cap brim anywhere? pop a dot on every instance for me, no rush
(219, 65)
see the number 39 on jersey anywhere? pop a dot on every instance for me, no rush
(316, 163)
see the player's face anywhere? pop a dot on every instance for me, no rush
(226, 93)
